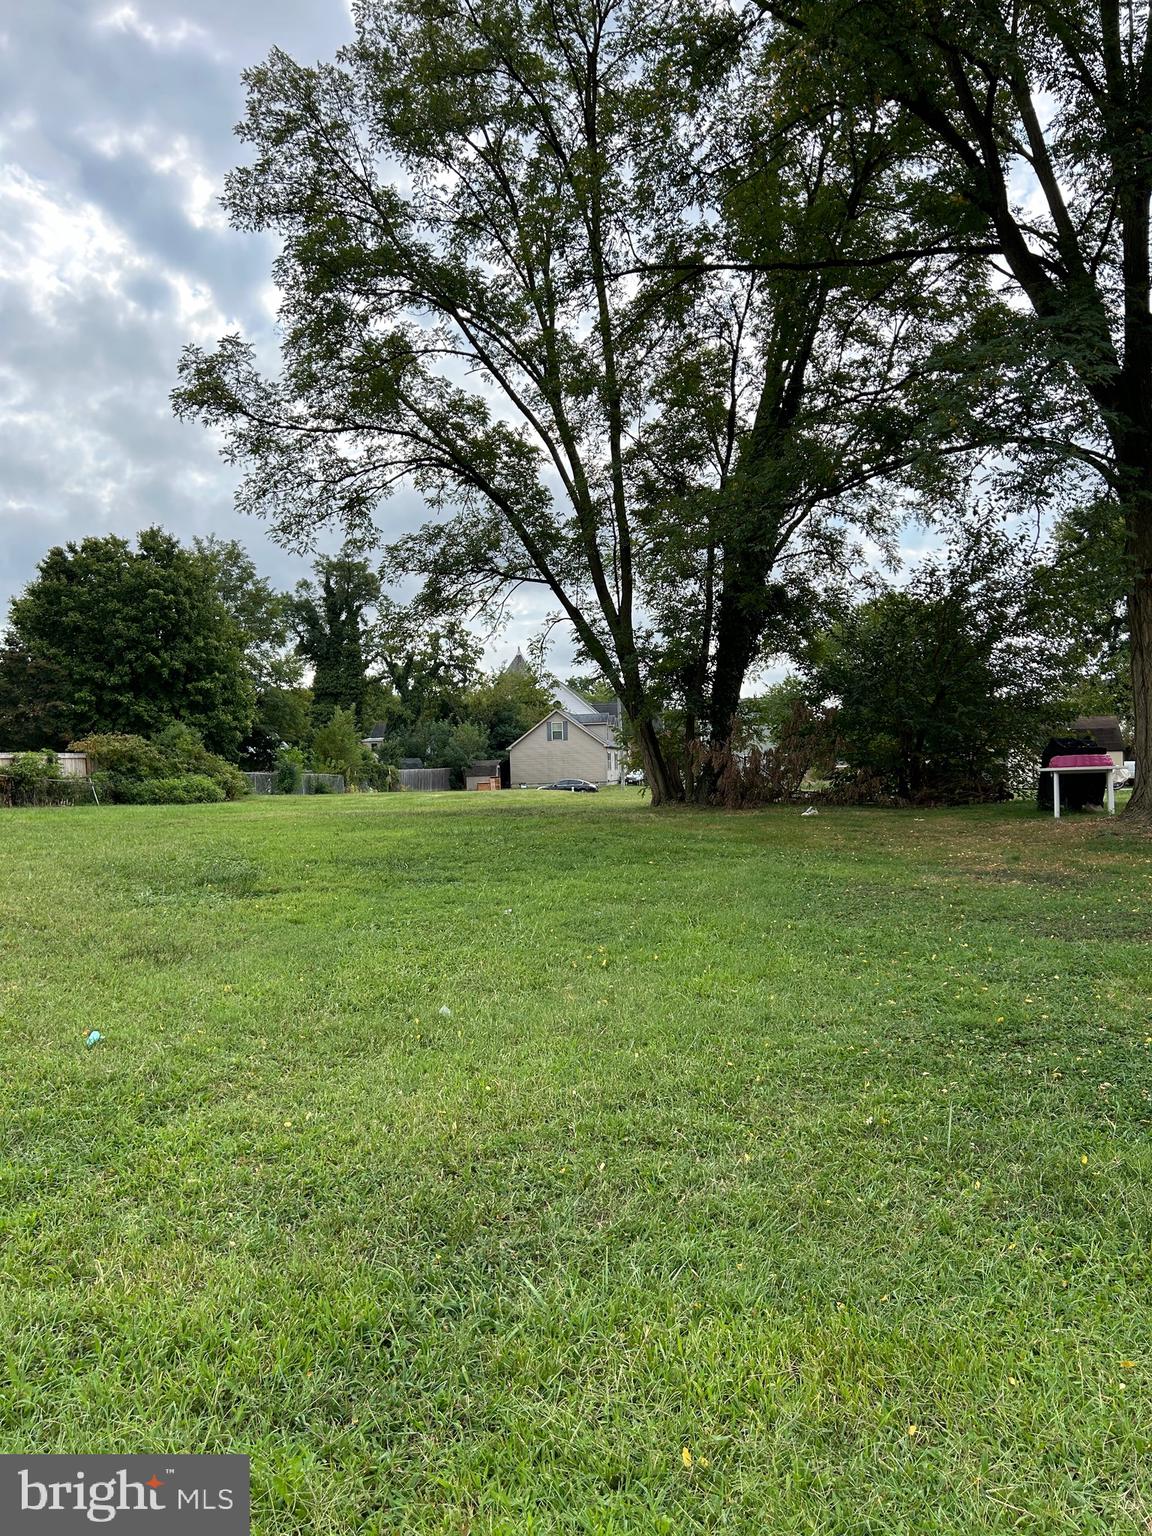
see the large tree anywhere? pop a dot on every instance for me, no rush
(1085, 578)
(263, 615)
(281, 711)
(475, 207)
(1036, 119)
(108, 638)
(507, 704)
(430, 664)
(331, 619)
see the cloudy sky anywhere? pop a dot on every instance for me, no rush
(115, 135)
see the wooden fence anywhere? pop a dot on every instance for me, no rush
(425, 778)
(73, 765)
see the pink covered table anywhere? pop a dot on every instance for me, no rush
(1081, 762)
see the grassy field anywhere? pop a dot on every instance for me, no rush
(535, 1163)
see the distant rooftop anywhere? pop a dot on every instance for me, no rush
(1105, 728)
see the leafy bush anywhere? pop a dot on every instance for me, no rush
(126, 765)
(180, 789)
(183, 749)
(337, 748)
(122, 757)
(445, 744)
(745, 773)
(377, 775)
(33, 770)
(34, 778)
(289, 772)
(941, 682)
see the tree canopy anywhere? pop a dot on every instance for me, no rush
(942, 683)
(112, 639)
(523, 268)
(1034, 116)
(332, 629)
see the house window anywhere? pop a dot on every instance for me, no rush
(557, 730)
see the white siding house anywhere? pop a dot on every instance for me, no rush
(571, 702)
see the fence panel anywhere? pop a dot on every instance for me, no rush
(265, 783)
(425, 778)
(73, 765)
(333, 784)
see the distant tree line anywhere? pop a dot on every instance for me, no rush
(120, 640)
(926, 689)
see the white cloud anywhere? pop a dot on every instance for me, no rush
(51, 244)
(126, 18)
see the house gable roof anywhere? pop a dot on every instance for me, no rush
(572, 720)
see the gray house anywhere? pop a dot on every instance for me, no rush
(577, 740)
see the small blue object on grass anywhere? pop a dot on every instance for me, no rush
(93, 1037)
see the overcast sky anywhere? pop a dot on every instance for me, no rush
(115, 135)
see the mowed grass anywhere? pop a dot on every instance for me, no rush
(767, 1174)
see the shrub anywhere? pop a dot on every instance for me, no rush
(34, 778)
(33, 770)
(183, 749)
(125, 764)
(289, 772)
(122, 757)
(180, 789)
(941, 682)
(744, 774)
(446, 744)
(337, 748)
(377, 775)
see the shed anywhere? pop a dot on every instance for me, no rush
(1105, 732)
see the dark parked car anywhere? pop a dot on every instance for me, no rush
(577, 786)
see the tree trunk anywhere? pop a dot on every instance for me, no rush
(662, 782)
(749, 604)
(1140, 632)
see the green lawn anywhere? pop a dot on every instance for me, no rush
(768, 1174)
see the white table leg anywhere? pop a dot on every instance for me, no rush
(1111, 794)
(1056, 795)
